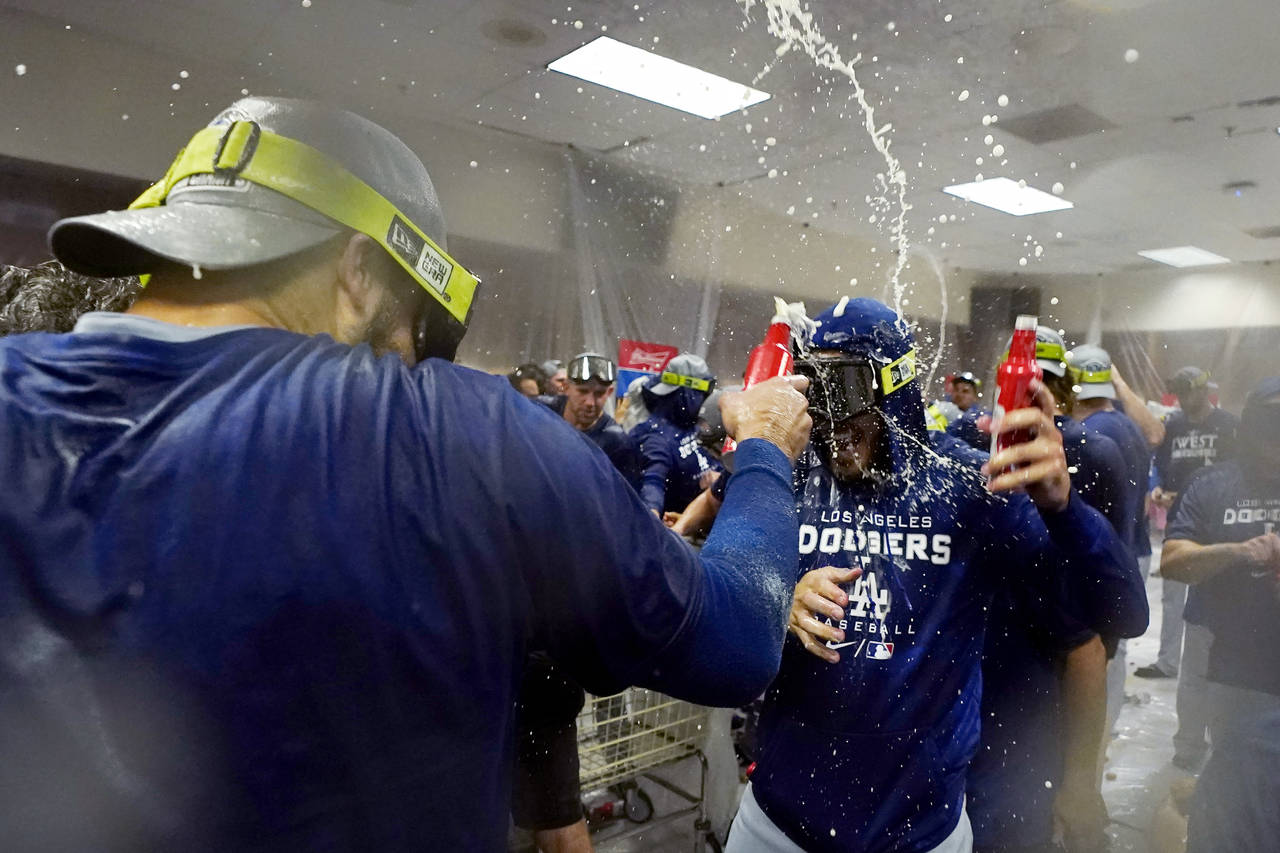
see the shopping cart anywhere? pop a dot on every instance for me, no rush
(626, 737)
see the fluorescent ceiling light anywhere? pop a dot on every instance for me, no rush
(1185, 256)
(1008, 196)
(655, 78)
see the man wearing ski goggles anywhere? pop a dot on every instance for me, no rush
(591, 379)
(845, 392)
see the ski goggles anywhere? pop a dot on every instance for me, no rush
(298, 171)
(840, 388)
(680, 380)
(586, 367)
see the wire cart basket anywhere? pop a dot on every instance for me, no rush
(625, 737)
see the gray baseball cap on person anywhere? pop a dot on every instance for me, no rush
(685, 365)
(1051, 351)
(218, 221)
(1188, 379)
(1092, 368)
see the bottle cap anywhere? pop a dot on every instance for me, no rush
(1026, 321)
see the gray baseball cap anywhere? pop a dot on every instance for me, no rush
(1051, 351)
(1092, 368)
(678, 373)
(222, 221)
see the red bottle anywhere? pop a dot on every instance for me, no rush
(1013, 381)
(772, 357)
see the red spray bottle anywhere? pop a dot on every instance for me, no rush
(1013, 382)
(772, 357)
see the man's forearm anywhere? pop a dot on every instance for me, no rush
(1136, 409)
(1190, 562)
(1084, 689)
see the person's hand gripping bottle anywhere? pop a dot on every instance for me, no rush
(772, 357)
(1013, 382)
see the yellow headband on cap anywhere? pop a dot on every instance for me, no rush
(311, 178)
(1092, 377)
(687, 381)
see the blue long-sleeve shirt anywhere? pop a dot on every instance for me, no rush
(261, 590)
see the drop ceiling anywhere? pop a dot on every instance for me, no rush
(1143, 148)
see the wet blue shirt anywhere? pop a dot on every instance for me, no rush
(870, 754)
(266, 591)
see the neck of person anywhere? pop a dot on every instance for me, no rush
(223, 299)
(1084, 408)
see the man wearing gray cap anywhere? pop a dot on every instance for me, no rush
(1197, 436)
(267, 585)
(676, 467)
(1101, 384)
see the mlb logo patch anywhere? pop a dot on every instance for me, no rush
(879, 651)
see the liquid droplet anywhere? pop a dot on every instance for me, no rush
(19, 69)
(964, 96)
(196, 272)
(1003, 100)
(1131, 56)
(997, 151)
(1058, 188)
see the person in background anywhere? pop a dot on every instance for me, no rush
(1044, 670)
(676, 467)
(528, 379)
(1101, 387)
(590, 378)
(965, 393)
(557, 381)
(1221, 539)
(272, 563)
(1198, 435)
(632, 411)
(868, 730)
(50, 298)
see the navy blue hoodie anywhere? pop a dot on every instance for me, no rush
(673, 459)
(870, 754)
(262, 591)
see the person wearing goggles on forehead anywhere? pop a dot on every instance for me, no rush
(590, 378)
(272, 564)
(676, 467)
(868, 729)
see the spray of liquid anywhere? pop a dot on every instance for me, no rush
(790, 23)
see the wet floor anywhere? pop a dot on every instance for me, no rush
(1136, 780)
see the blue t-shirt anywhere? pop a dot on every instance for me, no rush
(870, 754)
(1137, 456)
(1188, 447)
(1240, 606)
(1098, 471)
(262, 590)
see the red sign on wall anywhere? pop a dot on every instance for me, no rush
(647, 357)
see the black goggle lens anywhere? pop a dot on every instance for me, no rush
(838, 389)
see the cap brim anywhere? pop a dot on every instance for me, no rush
(1054, 367)
(1093, 390)
(132, 242)
(662, 389)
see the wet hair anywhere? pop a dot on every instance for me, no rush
(528, 370)
(1063, 388)
(50, 298)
